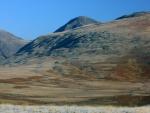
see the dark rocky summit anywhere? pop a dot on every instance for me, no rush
(77, 22)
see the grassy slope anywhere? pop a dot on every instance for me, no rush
(45, 86)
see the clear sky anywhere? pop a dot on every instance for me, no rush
(31, 18)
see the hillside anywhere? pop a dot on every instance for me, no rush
(107, 44)
(94, 64)
(9, 44)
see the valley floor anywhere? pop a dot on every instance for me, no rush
(39, 85)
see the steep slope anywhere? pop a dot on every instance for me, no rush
(77, 22)
(96, 51)
(9, 44)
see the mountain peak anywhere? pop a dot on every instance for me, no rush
(9, 44)
(136, 14)
(77, 22)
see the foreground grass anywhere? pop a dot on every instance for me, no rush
(71, 109)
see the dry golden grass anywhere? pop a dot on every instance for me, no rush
(38, 84)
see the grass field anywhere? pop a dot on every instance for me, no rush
(38, 84)
(71, 109)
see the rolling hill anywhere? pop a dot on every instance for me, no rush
(9, 44)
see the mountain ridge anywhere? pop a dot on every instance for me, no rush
(108, 43)
(135, 14)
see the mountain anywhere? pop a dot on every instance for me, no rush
(77, 22)
(96, 64)
(9, 44)
(98, 50)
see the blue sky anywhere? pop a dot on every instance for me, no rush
(31, 18)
